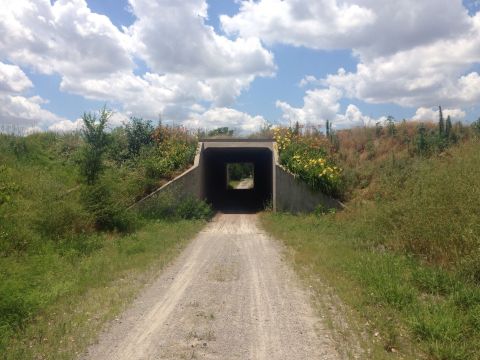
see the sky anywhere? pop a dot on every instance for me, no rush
(238, 63)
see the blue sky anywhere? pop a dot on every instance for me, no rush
(269, 61)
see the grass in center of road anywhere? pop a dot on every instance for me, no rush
(73, 294)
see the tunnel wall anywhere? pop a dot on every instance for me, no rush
(295, 196)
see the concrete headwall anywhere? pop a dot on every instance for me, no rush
(189, 183)
(293, 195)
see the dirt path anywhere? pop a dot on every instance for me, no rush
(245, 184)
(228, 296)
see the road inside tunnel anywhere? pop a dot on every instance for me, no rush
(216, 189)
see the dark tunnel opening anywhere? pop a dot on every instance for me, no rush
(216, 189)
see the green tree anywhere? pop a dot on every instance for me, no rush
(139, 134)
(96, 140)
(441, 122)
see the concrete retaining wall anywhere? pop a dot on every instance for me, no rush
(293, 195)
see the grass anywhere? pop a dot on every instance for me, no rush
(417, 310)
(61, 277)
(406, 259)
(67, 297)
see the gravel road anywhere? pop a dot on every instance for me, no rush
(245, 184)
(229, 295)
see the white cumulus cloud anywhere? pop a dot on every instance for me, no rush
(320, 105)
(369, 26)
(225, 117)
(432, 114)
(189, 64)
(13, 79)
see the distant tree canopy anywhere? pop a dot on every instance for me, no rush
(239, 171)
(222, 131)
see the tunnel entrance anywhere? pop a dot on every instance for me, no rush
(225, 194)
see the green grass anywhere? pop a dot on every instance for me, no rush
(54, 302)
(415, 308)
(407, 262)
(60, 277)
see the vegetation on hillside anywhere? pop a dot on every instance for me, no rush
(65, 230)
(406, 252)
(308, 158)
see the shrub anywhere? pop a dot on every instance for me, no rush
(169, 206)
(139, 134)
(60, 218)
(193, 208)
(107, 215)
(96, 141)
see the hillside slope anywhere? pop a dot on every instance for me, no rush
(406, 253)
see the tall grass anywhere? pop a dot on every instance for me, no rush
(435, 212)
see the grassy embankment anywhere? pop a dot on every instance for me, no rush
(66, 267)
(405, 255)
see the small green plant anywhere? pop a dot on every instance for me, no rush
(321, 210)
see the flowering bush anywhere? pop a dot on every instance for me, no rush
(307, 158)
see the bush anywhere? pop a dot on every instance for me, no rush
(169, 206)
(107, 215)
(193, 208)
(60, 218)
(139, 134)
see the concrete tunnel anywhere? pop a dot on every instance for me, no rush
(272, 184)
(215, 187)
